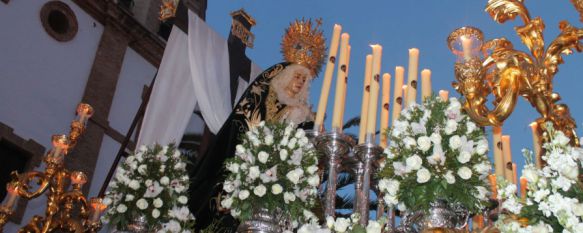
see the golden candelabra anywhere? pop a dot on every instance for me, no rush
(67, 210)
(495, 67)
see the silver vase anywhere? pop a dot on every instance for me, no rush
(140, 224)
(265, 221)
(440, 217)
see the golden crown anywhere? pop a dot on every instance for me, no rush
(304, 44)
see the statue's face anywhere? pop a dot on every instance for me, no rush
(297, 83)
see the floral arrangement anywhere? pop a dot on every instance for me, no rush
(554, 200)
(151, 182)
(275, 166)
(344, 225)
(435, 151)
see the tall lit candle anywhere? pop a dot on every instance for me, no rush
(536, 144)
(397, 93)
(340, 83)
(499, 165)
(412, 76)
(493, 185)
(371, 122)
(318, 123)
(425, 84)
(467, 47)
(345, 86)
(365, 97)
(11, 196)
(444, 95)
(523, 188)
(385, 109)
(507, 151)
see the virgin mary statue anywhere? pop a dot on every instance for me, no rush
(278, 94)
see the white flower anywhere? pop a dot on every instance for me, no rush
(312, 169)
(530, 174)
(373, 227)
(482, 193)
(314, 180)
(155, 213)
(292, 143)
(471, 126)
(228, 186)
(409, 142)
(182, 213)
(153, 190)
(482, 147)
(423, 175)
(129, 197)
(295, 175)
(578, 209)
(418, 128)
(389, 154)
(414, 162)
(121, 208)
(276, 189)
(300, 133)
(341, 224)
(254, 172)
(240, 149)
(227, 202)
(134, 184)
(142, 169)
(450, 126)
(391, 200)
(260, 190)
(158, 203)
(288, 197)
(262, 156)
(464, 157)
(164, 180)
(162, 167)
(571, 172)
(269, 139)
(142, 204)
(449, 177)
(483, 168)
(183, 199)
(424, 143)
(435, 138)
(330, 222)
(243, 194)
(561, 139)
(233, 167)
(455, 142)
(283, 154)
(464, 172)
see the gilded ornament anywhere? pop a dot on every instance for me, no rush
(304, 44)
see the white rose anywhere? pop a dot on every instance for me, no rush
(240, 149)
(183, 199)
(449, 177)
(162, 167)
(288, 197)
(414, 162)
(314, 181)
(389, 154)
(561, 139)
(269, 139)
(482, 147)
(464, 172)
(149, 182)
(435, 138)
(455, 142)
(409, 142)
(121, 208)
(283, 155)
(312, 169)
(293, 176)
(227, 202)
(570, 172)
(164, 180)
(578, 209)
(300, 133)
(373, 227)
(243, 194)
(423, 175)
(531, 175)
(292, 143)
(391, 200)
(155, 213)
(329, 222)
(276, 189)
(233, 167)
(134, 184)
(129, 197)
(142, 204)
(260, 190)
(450, 127)
(341, 224)
(158, 203)
(464, 157)
(471, 126)
(254, 172)
(142, 169)
(424, 143)
(262, 156)
(228, 186)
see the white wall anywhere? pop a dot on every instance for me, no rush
(42, 80)
(135, 73)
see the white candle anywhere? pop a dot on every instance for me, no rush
(536, 144)
(11, 196)
(345, 86)
(425, 84)
(507, 150)
(444, 95)
(365, 97)
(397, 93)
(371, 122)
(467, 47)
(498, 154)
(327, 78)
(340, 84)
(385, 109)
(412, 76)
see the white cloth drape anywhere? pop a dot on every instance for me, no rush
(194, 70)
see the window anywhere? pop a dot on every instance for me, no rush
(59, 21)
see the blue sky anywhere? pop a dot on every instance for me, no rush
(398, 26)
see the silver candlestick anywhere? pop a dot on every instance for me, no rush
(368, 154)
(334, 145)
